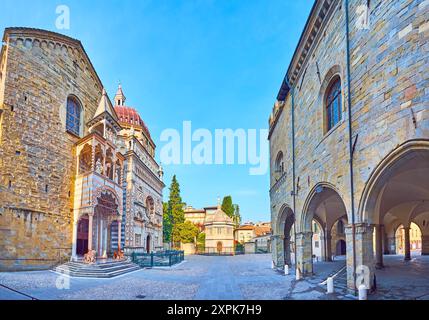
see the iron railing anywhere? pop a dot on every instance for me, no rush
(209, 251)
(166, 258)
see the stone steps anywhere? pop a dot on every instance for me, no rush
(101, 270)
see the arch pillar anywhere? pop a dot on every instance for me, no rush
(407, 244)
(277, 247)
(304, 243)
(385, 242)
(391, 245)
(328, 245)
(363, 251)
(425, 245)
(379, 231)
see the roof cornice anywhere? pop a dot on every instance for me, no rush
(54, 37)
(320, 13)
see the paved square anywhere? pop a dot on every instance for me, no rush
(245, 277)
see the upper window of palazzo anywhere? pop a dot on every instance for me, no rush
(333, 103)
(279, 165)
(73, 116)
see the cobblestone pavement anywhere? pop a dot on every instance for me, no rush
(247, 277)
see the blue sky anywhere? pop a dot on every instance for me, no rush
(217, 63)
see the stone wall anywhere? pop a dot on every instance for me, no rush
(389, 96)
(37, 155)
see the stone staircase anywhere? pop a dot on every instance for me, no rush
(108, 269)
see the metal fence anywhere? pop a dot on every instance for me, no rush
(217, 251)
(262, 250)
(158, 259)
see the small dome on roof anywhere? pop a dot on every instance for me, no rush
(127, 115)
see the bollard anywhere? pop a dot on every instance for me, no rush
(330, 285)
(298, 274)
(286, 269)
(363, 292)
(272, 265)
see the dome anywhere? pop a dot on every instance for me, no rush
(218, 217)
(130, 117)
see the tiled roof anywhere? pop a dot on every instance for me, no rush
(130, 116)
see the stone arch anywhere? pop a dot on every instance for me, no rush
(325, 205)
(85, 159)
(304, 224)
(107, 190)
(282, 242)
(284, 212)
(375, 186)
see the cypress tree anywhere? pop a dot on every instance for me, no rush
(167, 224)
(228, 207)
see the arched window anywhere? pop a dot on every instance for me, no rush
(85, 159)
(279, 167)
(333, 103)
(73, 116)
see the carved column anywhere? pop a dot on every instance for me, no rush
(119, 234)
(90, 221)
(407, 244)
(74, 239)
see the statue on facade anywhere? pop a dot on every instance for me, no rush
(118, 175)
(98, 166)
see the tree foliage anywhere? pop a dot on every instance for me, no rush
(237, 216)
(173, 211)
(227, 206)
(175, 203)
(167, 223)
(231, 210)
(185, 232)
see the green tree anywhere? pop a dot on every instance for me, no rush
(175, 203)
(185, 232)
(228, 207)
(167, 223)
(237, 216)
(175, 209)
(201, 242)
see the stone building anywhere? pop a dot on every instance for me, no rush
(349, 134)
(196, 216)
(70, 161)
(219, 229)
(143, 180)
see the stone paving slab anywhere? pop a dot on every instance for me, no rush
(247, 277)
